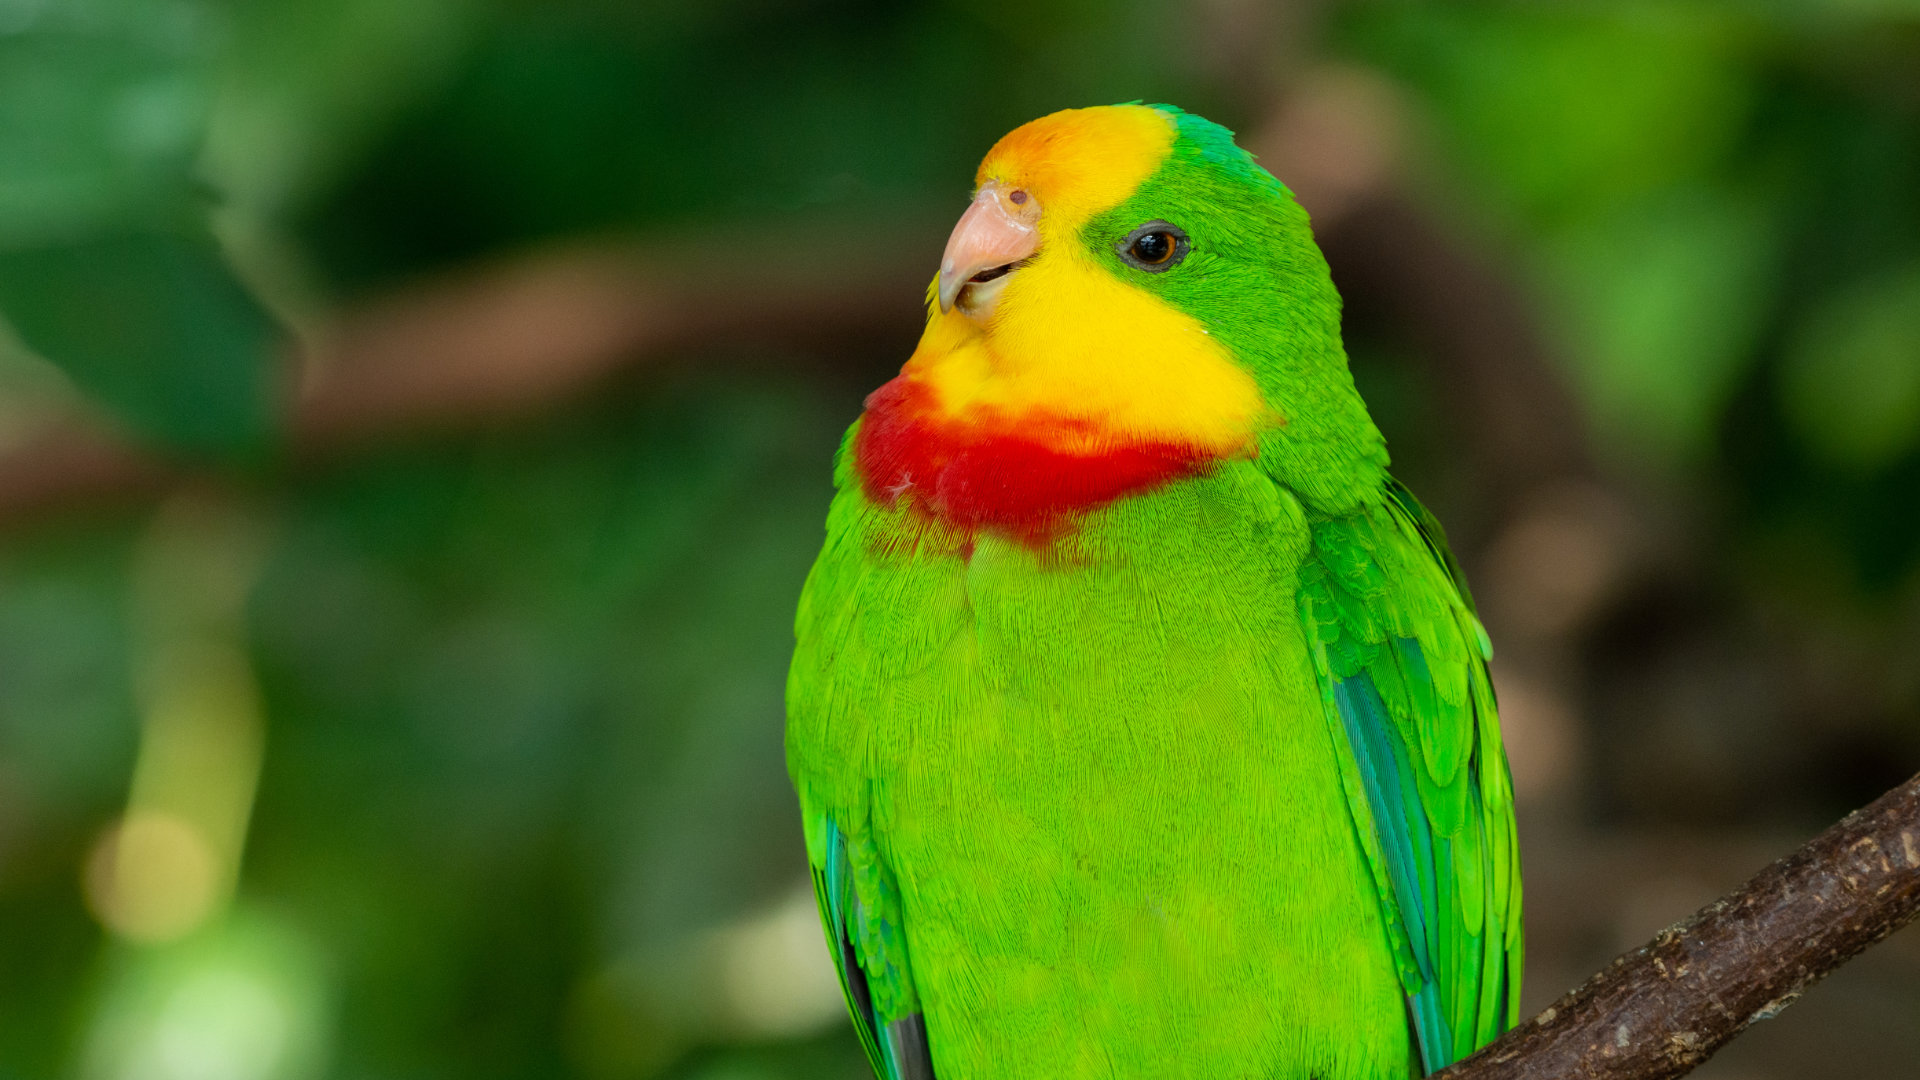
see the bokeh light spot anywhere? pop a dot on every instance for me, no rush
(152, 878)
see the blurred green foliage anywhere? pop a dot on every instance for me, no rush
(1714, 205)
(154, 327)
(521, 687)
(1849, 382)
(107, 264)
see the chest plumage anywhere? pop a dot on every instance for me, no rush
(1099, 776)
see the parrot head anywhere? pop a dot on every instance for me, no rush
(1129, 300)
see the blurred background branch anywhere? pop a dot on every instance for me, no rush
(497, 345)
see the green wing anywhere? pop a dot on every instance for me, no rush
(860, 911)
(1403, 669)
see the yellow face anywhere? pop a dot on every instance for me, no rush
(1064, 337)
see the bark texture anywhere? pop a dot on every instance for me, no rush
(1664, 1008)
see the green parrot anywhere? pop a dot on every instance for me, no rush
(1140, 721)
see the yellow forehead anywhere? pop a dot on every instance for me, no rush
(1078, 162)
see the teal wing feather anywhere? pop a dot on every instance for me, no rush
(1403, 666)
(860, 912)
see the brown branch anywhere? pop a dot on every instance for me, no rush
(521, 336)
(1665, 1008)
(510, 339)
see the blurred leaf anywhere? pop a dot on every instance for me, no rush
(305, 87)
(1571, 109)
(101, 112)
(105, 269)
(1663, 302)
(155, 327)
(1850, 383)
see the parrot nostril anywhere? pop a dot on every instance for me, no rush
(1017, 197)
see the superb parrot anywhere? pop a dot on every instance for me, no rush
(1140, 721)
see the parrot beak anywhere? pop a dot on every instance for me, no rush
(996, 233)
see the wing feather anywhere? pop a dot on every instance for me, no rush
(1403, 663)
(865, 937)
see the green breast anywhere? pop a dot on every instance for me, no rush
(1102, 778)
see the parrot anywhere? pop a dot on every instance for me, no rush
(1141, 723)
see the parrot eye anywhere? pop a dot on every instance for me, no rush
(1155, 247)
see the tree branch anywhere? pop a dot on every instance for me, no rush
(1663, 1009)
(497, 342)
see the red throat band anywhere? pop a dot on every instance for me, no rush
(999, 473)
